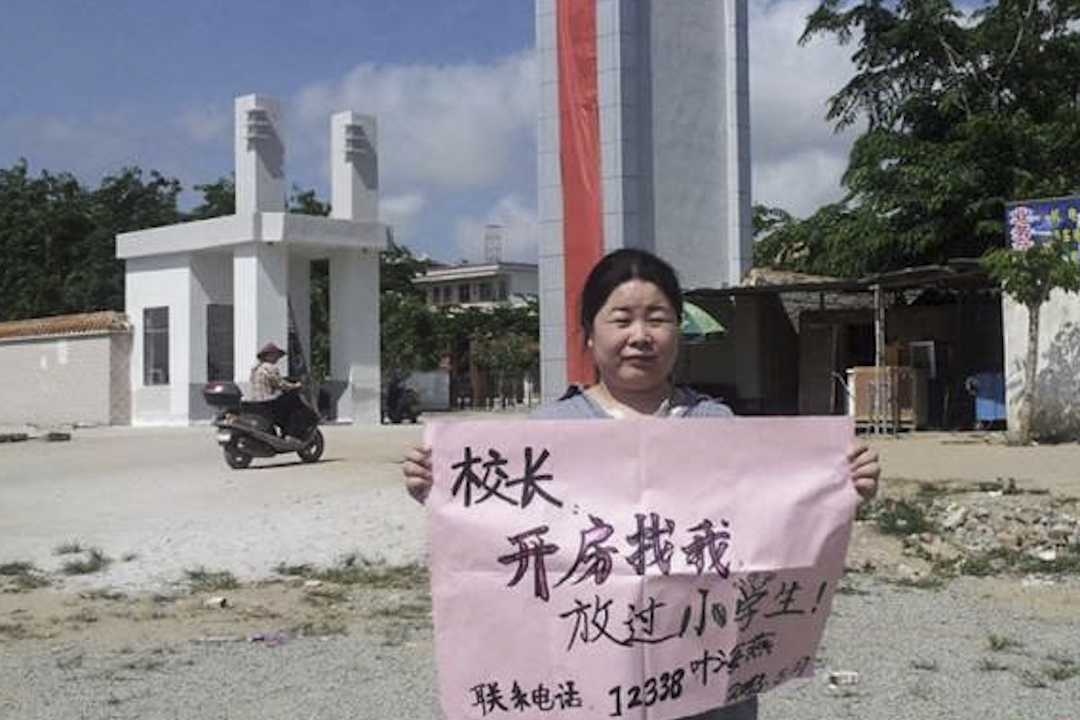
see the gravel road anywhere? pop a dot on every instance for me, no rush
(133, 641)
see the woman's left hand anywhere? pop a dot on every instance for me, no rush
(865, 470)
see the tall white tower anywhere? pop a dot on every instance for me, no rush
(644, 142)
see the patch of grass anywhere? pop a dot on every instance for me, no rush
(355, 570)
(23, 576)
(931, 490)
(1001, 643)
(1061, 667)
(991, 665)
(1008, 486)
(70, 547)
(417, 609)
(113, 595)
(846, 589)
(326, 595)
(932, 581)
(302, 570)
(899, 517)
(144, 664)
(203, 580)
(70, 662)
(1031, 679)
(85, 616)
(321, 628)
(15, 631)
(94, 561)
(1001, 560)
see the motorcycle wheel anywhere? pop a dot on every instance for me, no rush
(236, 459)
(314, 449)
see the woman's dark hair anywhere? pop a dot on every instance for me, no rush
(618, 267)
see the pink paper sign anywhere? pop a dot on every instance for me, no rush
(635, 568)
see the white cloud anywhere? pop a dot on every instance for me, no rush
(450, 126)
(207, 123)
(797, 157)
(518, 228)
(401, 211)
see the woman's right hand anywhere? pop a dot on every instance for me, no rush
(416, 467)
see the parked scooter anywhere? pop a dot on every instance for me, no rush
(248, 430)
(400, 402)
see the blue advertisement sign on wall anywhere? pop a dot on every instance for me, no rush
(1030, 222)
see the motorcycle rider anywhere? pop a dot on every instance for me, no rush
(269, 387)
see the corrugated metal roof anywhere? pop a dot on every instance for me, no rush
(77, 324)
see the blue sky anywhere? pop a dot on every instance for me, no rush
(92, 86)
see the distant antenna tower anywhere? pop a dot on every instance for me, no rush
(493, 243)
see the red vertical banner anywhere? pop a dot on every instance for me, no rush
(579, 166)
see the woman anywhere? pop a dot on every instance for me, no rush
(631, 310)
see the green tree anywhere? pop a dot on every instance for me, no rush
(219, 199)
(57, 237)
(963, 111)
(1028, 275)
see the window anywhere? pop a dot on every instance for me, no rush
(463, 293)
(156, 346)
(502, 290)
(219, 342)
(485, 292)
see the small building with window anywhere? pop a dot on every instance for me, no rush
(204, 296)
(479, 285)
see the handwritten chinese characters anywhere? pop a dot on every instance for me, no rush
(632, 569)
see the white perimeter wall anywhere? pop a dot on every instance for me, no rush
(1058, 373)
(64, 381)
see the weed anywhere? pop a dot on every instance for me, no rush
(991, 665)
(71, 662)
(900, 517)
(1031, 679)
(102, 595)
(932, 581)
(203, 580)
(94, 561)
(23, 576)
(85, 616)
(71, 547)
(1001, 643)
(930, 490)
(1061, 667)
(326, 595)
(321, 629)
(354, 570)
(302, 570)
(144, 664)
(15, 631)
(846, 589)
(1001, 559)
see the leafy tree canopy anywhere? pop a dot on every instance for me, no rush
(963, 111)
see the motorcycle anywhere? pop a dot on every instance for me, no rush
(400, 402)
(247, 430)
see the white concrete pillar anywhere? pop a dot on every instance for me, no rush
(260, 309)
(354, 333)
(354, 167)
(300, 302)
(260, 155)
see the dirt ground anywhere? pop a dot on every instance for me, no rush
(200, 554)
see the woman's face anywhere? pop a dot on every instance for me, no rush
(635, 337)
